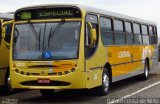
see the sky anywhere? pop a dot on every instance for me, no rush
(144, 9)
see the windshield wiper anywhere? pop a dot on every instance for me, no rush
(16, 37)
(53, 33)
(37, 35)
(34, 31)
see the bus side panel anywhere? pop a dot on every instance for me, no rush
(126, 61)
(154, 58)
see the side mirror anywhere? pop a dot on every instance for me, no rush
(91, 35)
(94, 36)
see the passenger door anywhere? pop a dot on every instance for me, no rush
(92, 53)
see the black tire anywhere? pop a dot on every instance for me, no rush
(145, 75)
(106, 82)
(8, 89)
(47, 92)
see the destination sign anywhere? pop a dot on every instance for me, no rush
(47, 13)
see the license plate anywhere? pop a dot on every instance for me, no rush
(43, 81)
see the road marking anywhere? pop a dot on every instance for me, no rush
(134, 93)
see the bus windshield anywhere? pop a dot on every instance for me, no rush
(46, 41)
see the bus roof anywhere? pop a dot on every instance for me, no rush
(6, 16)
(93, 10)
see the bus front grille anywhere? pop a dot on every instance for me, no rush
(52, 83)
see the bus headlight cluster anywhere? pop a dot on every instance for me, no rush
(67, 71)
(22, 72)
(58, 73)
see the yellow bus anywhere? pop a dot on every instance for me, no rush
(5, 36)
(78, 47)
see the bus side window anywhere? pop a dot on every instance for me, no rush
(119, 32)
(137, 34)
(145, 34)
(8, 28)
(155, 35)
(93, 19)
(106, 31)
(129, 33)
(152, 35)
(0, 32)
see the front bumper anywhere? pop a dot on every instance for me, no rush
(74, 80)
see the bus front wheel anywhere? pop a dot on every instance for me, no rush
(8, 87)
(47, 92)
(105, 87)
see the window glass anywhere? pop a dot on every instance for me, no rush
(146, 39)
(156, 37)
(129, 38)
(137, 39)
(107, 38)
(119, 32)
(136, 28)
(106, 31)
(128, 27)
(144, 29)
(8, 28)
(150, 30)
(154, 40)
(119, 38)
(118, 26)
(129, 35)
(30, 42)
(91, 18)
(153, 36)
(155, 31)
(106, 24)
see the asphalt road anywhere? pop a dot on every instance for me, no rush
(132, 90)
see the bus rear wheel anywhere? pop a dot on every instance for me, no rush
(47, 92)
(105, 87)
(146, 71)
